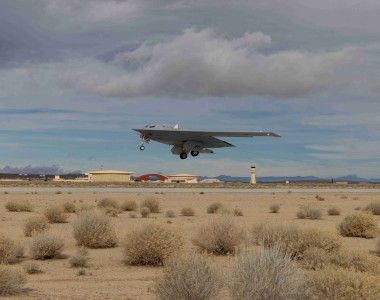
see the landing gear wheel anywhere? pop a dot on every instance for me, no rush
(183, 155)
(194, 153)
(142, 148)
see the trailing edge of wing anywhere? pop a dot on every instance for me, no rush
(242, 133)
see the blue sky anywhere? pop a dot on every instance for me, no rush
(76, 76)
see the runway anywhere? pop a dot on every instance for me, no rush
(182, 190)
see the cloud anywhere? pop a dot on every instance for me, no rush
(95, 11)
(200, 63)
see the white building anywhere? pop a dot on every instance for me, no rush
(253, 175)
(179, 178)
(110, 176)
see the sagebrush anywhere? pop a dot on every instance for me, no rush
(153, 205)
(12, 280)
(19, 206)
(359, 225)
(46, 246)
(55, 214)
(36, 224)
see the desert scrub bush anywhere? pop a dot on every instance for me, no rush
(84, 207)
(80, 259)
(93, 229)
(358, 225)
(108, 203)
(69, 207)
(377, 251)
(36, 224)
(111, 211)
(55, 214)
(151, 244)
(10, 250)
(269, 274)
(319, 198)
(19, 206)
(145, 212)
(187, 212)
(32, 268)
(153, 205)
(220, 236)
(188, 278)
(373, 207)
(129, 205)
(331, 283)
(293, 240)
(308, 212)
(333, 211)
(170, 214)
(214, 207)
(46, 246)
(12, 280)
(274, 208)
(238, 212)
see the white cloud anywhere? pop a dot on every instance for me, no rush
(200, 63)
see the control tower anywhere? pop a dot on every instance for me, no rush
(253, 175)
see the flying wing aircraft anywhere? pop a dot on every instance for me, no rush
(192, 141)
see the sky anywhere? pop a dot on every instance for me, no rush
(77, 75)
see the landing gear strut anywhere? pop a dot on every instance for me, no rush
(142, 147)
(183, 155)
(194, 153)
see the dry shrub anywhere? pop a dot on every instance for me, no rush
(80, 259)
(214, 207)
(145, 212)
(187, 212)
(36, 224)
(12, 280)
(333, 211)
(189, 277)
(152, 203)
(108, 203)
(268, 274)
(111, 211)
(58, 192)
(69, 207)
(129, 205)
(32, 268)
(151, 244)
(19, 206)
(238, 212)
(274, 208)
(46, 246)
(308, 212)
(331, 283)
(84, 207)
(373, 207)
(293, 240)
(377, 251)
(358, 208)
(343, 197)
(81, 272)
(170, 214)
(132, 215)
(55, 214)
(221, 236)
(9, 250)
(93, 229)
(358, 225)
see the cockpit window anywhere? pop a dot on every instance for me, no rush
(152, 126)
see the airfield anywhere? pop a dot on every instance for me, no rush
(108, 277)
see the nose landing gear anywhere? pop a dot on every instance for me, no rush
(142, 147)
(194, 153)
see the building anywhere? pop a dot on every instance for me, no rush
(110, 176)
(211, 180)
(253, 175)
(179, 178)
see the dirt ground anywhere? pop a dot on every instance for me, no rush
(109, 278)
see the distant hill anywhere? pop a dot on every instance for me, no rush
(349, 178)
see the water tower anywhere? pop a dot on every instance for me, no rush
(253, 175)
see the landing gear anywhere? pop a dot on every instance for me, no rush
(183, 155)
(194, 153)
(142, 147)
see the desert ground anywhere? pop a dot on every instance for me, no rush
(108, 277)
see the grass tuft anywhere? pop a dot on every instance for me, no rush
(19, 206)
(187, 212)
(308, 212)
(214, 207)
(334, 211)
(274, 208)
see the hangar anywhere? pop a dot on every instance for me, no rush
(178, 178)
(110, 176)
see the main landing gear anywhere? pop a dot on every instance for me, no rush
(183, 155)
(194, 153)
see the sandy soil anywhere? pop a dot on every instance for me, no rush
(108, 278)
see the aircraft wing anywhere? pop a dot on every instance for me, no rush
(207, 138)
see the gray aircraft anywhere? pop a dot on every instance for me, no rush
(191, 141)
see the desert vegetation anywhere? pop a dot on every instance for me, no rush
(189, 277)
(32, 268)
(170, 214)
(129, 205)
(153, 205)
(145, 212)
(12, 280)
(309, 212)
(274, 208)
(46, 246)
(220, 236)
(214, 207)
(55, 214)
(19, 206)
(237, 212)
(80, 259)
(36, 224)
(333, 211)
(359, 225)
(69, 207)
(93, 229)
(373, 207)
(10, 250)
(151, 244)
(187, 212)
